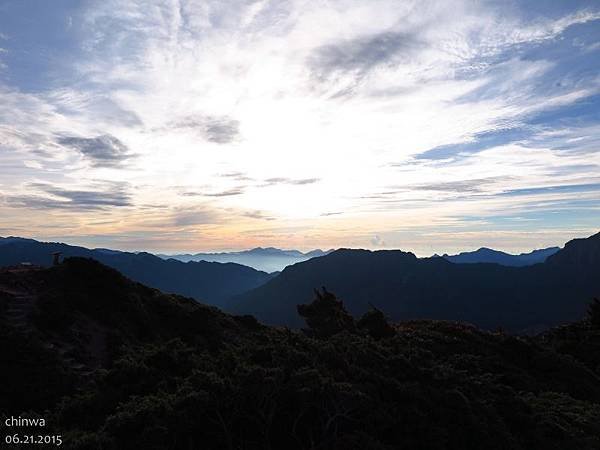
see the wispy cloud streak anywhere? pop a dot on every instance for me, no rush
(345, 120)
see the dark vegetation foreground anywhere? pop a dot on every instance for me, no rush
(112, 364)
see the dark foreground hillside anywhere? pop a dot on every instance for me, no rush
(112, 364)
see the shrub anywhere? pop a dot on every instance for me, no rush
(375, 323)
(326, 315)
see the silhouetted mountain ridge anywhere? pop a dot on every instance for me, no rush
(579, 252)
(207, 281)
(488, 255)
(406, 287)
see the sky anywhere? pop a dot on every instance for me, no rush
(207, 125)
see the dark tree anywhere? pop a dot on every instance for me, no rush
(326, 315)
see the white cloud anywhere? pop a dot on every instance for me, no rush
(293, 90)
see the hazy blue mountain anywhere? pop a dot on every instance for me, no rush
(210, 282)
(318, 252)
(9, 239)
(488, 255)
(268, 259)
(406, 287)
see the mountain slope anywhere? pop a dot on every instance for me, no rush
(268, 259)
(209, 282)
(112, 364)
(405, 287)
(578, 253)
(488, 255)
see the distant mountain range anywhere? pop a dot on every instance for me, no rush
(543, 288)
(268, 259)
(488, 255)
(209, 282)
(272, 259)
(406, 287)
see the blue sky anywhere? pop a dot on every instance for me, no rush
(431, 126)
